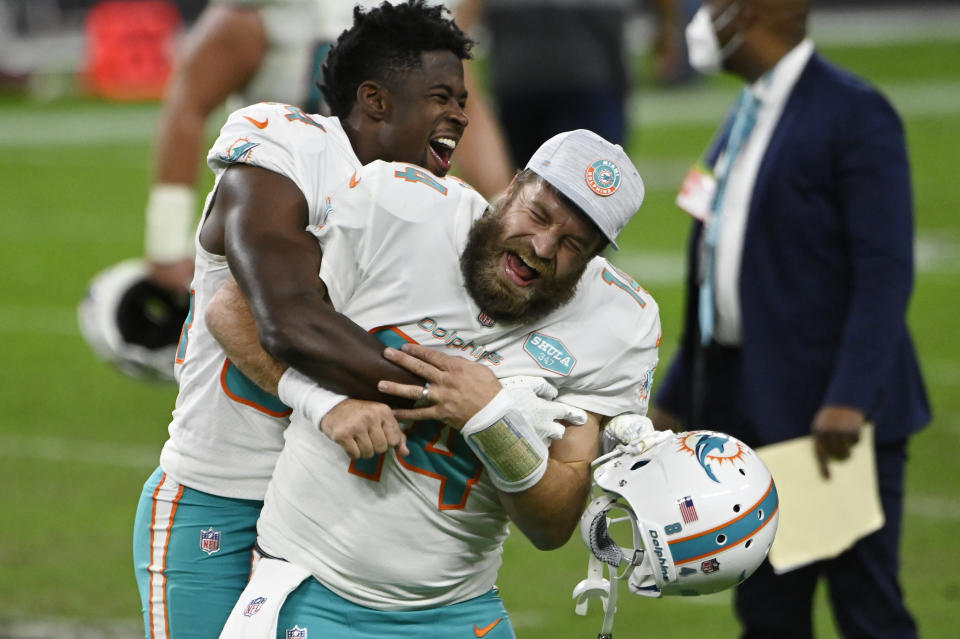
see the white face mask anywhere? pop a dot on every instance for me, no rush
(703, 47)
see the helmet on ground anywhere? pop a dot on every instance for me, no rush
(703, 510)
(131, 322)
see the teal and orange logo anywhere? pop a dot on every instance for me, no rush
(603, 177)
(708, 447)
(239, 151)
(296, 114)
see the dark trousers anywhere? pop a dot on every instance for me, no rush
(863, 582)
(531, 120)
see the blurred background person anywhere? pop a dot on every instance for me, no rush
(800, 273)
(245, 50)
(556, 65)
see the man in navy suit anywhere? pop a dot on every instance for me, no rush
(800, 271)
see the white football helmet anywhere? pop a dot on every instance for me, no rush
(703, 508)
(132, 323)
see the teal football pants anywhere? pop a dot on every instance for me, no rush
(192, 555)
(312, 610)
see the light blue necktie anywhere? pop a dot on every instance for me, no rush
(744, 120)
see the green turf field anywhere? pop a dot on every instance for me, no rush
(79, 439)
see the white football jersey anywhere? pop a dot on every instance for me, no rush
(226, 432)
(427, 530)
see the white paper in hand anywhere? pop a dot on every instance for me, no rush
(820, 518)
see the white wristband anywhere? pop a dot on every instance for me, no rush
(507, 444)
(306, 397)
(170, 224)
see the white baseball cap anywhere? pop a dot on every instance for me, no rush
(596, 175)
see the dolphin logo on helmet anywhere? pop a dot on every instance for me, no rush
(706, 445)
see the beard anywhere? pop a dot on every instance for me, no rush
(500, 299)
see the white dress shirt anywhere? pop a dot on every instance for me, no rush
(773, 89)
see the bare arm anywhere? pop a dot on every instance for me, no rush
(668, 40)
(361, 428)
(257, 221)
(230, 321)
(549, 511)
(482, 158)
(219, 56)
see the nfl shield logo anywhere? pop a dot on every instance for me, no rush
(210, 540)
(710, 566)
(254, 607)
(485, 320)
(297, 633)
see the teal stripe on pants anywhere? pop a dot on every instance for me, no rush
(201, 586)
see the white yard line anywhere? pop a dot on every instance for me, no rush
(870, 27)
(702, 105)
(61, 449)
(68, 629)
(17, 319)
(686, 105)
(935, 253)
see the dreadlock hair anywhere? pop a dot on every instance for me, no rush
(383, 44)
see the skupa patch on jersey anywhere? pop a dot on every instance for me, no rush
(603, 177)
(239, 151)
(549, 353)
(210, 540)
(254, 606)
(296, 633)
(708, 447)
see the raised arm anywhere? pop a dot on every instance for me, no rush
(257, 220)
(219, 55)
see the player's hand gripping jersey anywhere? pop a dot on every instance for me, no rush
(226, 432)
(427, 529)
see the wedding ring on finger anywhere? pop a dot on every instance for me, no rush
(425, 393)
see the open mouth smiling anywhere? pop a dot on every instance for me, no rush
(518, 271)
(442, 150)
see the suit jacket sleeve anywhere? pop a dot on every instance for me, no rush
(874, 197)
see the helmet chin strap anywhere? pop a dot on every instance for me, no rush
(595, 586)
(605, 553)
